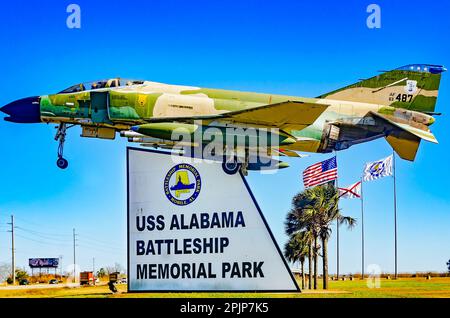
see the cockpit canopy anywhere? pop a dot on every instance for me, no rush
(112, 82)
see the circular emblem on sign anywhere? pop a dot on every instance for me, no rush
(377, 169)
(182, 184)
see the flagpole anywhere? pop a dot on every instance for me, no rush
(337, 228)
(395, 213)
(337, 248)
(362, 230)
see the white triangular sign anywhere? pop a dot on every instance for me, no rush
(193, 227)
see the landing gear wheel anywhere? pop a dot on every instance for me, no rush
(61, 138)
(231, 166)
(62, 163)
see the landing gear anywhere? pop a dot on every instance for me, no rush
(244, 165)
(231, 164)
(62, 163)
(61, 138)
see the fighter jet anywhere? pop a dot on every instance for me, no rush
(398, 105)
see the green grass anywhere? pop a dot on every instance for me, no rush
(404, 287)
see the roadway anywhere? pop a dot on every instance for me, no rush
(38, 286)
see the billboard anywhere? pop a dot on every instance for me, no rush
(193, 227)
(43, 262)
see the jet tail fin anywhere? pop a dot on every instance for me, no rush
(403, 138)
(412, 87)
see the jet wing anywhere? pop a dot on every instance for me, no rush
(304, 144)
(289, 115)
(287, 153)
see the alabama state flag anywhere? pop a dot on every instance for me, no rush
(353, 191)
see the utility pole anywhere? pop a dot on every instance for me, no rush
(61, 266)
(13, 254)
(93, 265)
(74, 256)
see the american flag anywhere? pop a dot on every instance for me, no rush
(319, 173)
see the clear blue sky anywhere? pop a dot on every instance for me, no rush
(300, 48)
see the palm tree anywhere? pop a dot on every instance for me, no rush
(326, 210)
(313, 212)
(311, 254)
(306, 218)
(296, 224)
(310, 263)
(297, 249)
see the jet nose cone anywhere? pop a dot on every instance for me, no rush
(25, 110)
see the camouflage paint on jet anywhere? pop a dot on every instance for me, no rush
(398, 105)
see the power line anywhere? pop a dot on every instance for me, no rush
(56, 238)
(41, 242)
(100, 249)
(36, 223)
(44, 233)
(93, 238)
(44, 236)
(42, 239)
(87, 235)
(106, 245)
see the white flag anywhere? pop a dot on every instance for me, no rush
(353, 191)
(378, 169)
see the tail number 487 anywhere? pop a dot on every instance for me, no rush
(405, 98)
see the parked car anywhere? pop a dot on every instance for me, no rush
(24, 282)
(53, 281)
(123, 280)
